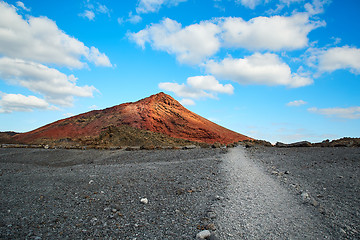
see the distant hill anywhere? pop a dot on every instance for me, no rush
(158, 113)
(6, 137)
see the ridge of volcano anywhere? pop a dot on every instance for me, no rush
(159, 113)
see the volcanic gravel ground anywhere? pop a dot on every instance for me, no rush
(327, 180)
(92, 194)
(255, 193)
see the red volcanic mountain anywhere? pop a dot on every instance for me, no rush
(158, 113)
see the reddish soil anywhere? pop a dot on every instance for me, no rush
(158, 113)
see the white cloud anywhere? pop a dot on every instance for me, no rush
(296, 103)
(197, 87)
(93, 107)
(88, 14)
(250, 3)
(191, 44)
(288, 2)
(20, 103)
(267, 69)
(120, 20)
(195, 43)
(22, 6)
(313, 8)
(103, 9)
(340, 58)
(39, 39)
(348, 113)
(146, 6)
(57, 87)
(98, 58)
(316, 7)
(187, 102)
(68, 115)
(269, 33)
(182, 90)
(134, 18)
(209, 83)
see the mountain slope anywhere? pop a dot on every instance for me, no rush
(158, 113)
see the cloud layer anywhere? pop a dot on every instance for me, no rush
(296, 103)
(146, 6)
(268, 33)
(57, 87)
(191, 44)
(347, 113)
(20, 103)
(26, 46)
(197, 42)
(197, 87)
(340, 58)
(261, 69)
(39, 39)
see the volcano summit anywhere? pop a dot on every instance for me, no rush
(159, 113)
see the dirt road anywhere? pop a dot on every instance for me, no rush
(259, 207)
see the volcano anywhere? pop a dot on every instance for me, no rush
(159, 113)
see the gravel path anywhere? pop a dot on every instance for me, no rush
(328, 177)
(257, 206)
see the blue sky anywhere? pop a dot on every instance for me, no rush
(279, 70)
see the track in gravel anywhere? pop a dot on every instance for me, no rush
(259, 207)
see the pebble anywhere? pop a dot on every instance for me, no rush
(305, 196)
(314, 203)
(144, 200)
(217, 197)
(203, 234)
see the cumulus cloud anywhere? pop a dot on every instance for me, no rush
(134, 18)
(93, 107)
(98, 58)
(187, 102)
(267, 69)
(288, 2)
(195, 43)
(182, 90)
(88, 14)
(22, 6)
(316, 6)
(197, 87)
(91, 11)
(20, 103)
(103, 9)
(209, 83)
(296, 103)
(347, 113)
(191, 44)
(57, 87)
(250, 3)
(146, 6)
(39, 39)
(340, 58)
(268, 33)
